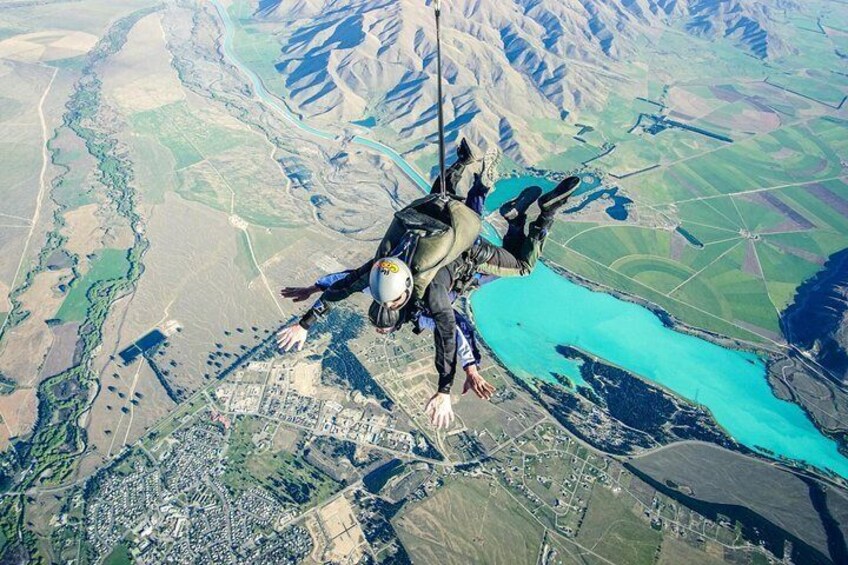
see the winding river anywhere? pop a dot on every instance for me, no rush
(523, 320)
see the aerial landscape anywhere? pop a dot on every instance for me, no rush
(670, 381)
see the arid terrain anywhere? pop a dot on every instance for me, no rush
(166, 167)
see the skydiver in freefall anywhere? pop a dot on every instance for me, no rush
(411, 287)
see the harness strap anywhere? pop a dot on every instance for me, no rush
(405, 250)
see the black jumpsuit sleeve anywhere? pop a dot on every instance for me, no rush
(355, 281)
(439, 303)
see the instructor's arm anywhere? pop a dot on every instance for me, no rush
(353, 281)
(439, 407)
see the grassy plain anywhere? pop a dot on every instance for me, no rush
(469, 521)
(725, 477)
(675, 552)
(183, 134)
(131, 400)
(22, 88)
(182, 143)
(214, 162)
(612, 530)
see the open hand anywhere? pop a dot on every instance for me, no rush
(299, 293)
(475, 382)
(439, 410)
(292, 336)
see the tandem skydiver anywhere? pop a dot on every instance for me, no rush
(432, 254)
(467, 351)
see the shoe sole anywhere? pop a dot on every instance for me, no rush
(558, 196)
(517, 206)
(489, 172)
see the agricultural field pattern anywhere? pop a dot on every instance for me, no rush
(671, 382)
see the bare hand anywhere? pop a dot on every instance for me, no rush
(439, 410)
(291, 336)
(475, 382)
(299, 293)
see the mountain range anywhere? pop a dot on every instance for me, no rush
(503, 61)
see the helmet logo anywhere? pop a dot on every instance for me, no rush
(387, 267)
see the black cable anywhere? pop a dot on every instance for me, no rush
(441, 113)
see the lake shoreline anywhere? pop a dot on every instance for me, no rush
(668, 320)
(753, 354)
(770, 356)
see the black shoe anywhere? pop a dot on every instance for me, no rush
(463, 152)
(550, 202)
(517, 207)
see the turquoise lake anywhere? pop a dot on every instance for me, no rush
(524, 319)
(509, 188)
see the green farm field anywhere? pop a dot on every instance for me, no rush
(762, 215)
(211, 161)
(107, 265)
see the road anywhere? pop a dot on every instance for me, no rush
(42, 189)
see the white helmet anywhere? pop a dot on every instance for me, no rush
(390, 278)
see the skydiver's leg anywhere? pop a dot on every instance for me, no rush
(515, 213)
(484, 181)
(520, 257)
(453, 175)
(515, 235)
(476, 197)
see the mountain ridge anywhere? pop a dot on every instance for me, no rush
(341, 62)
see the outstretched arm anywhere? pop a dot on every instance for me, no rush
(299, 293)
(439, 407)
(302, 293)
(336, 287)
